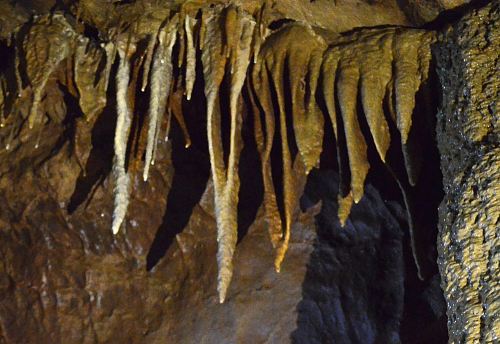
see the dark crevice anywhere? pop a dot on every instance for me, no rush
(279, 23)
(7, 68)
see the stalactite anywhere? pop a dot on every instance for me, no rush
(272, 60)
(368, 60)
(149, 58)
(91, 94)
(190, 56)
(17, 62)
(411, 155)
(214, 62)
(258, 36)
(303, 71)
(345, 205)
(181, 39)
(329, 71)
(418, 257)
(231, 189)
(110, 51)
(373, 84)
(231, 31)
(260, 80)
(203, 27)
(46, 44)
(257, 42)
(406, 82)
(123, 121)
(161, 77)
(370, 66)
(283, 56)
(277, 71)
(347, 88)
(233, 49)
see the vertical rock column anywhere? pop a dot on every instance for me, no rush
(468, 137)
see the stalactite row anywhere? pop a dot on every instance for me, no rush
(283, 56)
(291, 73)
(386, 66)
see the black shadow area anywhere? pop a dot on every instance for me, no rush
(353, 290)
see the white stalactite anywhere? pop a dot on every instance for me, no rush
(149, 57)
(123, 121)
(190, 57)
(161, 78)
(110, 50)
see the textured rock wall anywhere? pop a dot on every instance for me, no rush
(468, 137)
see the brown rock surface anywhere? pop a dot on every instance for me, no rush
(65, 279)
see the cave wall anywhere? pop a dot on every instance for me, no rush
(64, 277)
(468, 138)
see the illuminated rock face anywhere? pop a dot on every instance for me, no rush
(469, 240)
(243, 81)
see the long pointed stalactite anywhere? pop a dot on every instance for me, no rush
(123, 121)
(371, 69)
(161, 78)
(264, 134)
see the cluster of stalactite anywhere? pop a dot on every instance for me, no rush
(295, 79)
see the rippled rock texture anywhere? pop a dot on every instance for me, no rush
(469, 243)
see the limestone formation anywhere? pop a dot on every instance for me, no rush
(289, 81)
(286, 77)
(469, 213)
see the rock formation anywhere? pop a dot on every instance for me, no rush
(90, 88)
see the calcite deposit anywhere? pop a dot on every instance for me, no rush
(214, 114)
